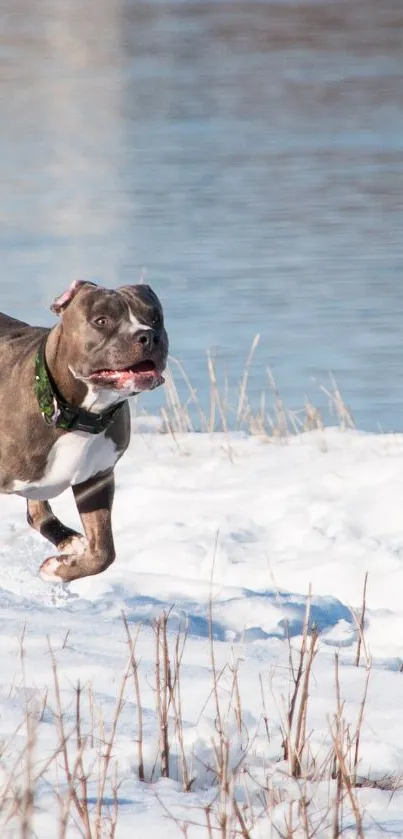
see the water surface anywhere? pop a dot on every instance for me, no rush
(248, 155)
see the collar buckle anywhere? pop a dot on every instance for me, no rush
(51, 419)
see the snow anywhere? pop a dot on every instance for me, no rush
(257, 522)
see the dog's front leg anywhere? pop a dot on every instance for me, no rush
(94, 500)
(42, 518)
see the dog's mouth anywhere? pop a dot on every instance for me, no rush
(137, 377)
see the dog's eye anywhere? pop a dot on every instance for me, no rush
(101, 321)
(156, 319)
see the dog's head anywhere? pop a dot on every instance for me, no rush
(114, 339)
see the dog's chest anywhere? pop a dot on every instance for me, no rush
(74, 458)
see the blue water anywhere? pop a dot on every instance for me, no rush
(248, 156)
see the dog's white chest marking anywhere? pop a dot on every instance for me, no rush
(100, 399)
(74, 458)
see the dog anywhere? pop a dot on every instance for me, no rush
(64, 411)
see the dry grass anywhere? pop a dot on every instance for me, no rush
(282, 800)
(184, 411)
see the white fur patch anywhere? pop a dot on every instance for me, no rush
(77, 545)
(136, 323)
(98, 399)
(74, 458)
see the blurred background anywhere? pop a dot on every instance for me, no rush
(247, 156)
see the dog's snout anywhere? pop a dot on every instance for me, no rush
(147, 338)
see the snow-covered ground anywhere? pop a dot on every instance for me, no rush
(320, 509)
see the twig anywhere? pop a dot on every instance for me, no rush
(362, 620)
(132, 642)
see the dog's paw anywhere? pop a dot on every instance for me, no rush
(49, 568)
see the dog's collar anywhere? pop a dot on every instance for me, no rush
(59, 413)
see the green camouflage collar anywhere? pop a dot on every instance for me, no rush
(59, 413)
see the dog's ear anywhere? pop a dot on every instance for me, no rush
(142, 291)
(60, 304)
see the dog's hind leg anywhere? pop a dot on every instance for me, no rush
(42, 518)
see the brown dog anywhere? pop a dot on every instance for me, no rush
(64, 415)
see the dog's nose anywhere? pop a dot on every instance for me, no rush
(146, 337)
